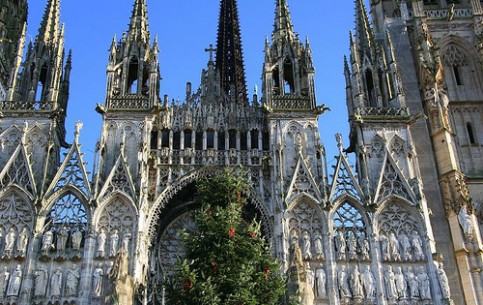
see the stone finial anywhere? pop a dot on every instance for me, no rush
(78, 128)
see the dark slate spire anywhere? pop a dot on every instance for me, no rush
(229, 55)
(138, 28)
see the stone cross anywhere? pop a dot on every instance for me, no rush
(211, 50)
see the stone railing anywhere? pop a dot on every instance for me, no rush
(443, 14)
(291, 102)
(190, 157)
(381, 111)
(12, 106)
(128, 102)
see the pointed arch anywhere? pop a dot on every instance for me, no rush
(377, 146)
(117, 212)
(16, 209)
(304, 214)
(132, 76)
(9, 140)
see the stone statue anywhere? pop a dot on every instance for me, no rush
(101, 243)
(306, 249)
(97, 281)
(126, 239)
(351, 245)
(443, 282)
(40, 281)
(10, 242)
(320, 283)
(401, 284)
(393, 244)
(124, 283)
(319, 251)
(15, 282)
(56, 283)
(390, 282)
(369, 283)
(412, 283)
(364, 247)
(72, 281)
(4, 277)
(22, 243)
(405, 247)
(356, 284)
(417, 244)
(114, 240)
(308, 290)
(340, 245)
(465, 221)
(76, 239)
(62, 239)
(423, 283)
(384, 247)
(343, 283)
(47, 242)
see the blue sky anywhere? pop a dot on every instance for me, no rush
(184, 30)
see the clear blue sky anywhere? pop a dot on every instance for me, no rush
(184, 30)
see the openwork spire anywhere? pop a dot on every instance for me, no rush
(49, 28)
(138, 27)
(283, 27)
(364, 34)
(229, 54)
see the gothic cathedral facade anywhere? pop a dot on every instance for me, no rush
(402, 228)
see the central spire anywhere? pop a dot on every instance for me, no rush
(139, 28)
(229, 54)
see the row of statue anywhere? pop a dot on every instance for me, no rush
(414, 285)
(60, 244)
(356, 284)
(351, 247)
(61, 284)
(402, 248)
(14, 244)
(113, 248)
(10, 282)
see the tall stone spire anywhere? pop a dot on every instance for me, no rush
(49, 28)
(229, 54)
(364, 33)
(139, 28)
(283, 27)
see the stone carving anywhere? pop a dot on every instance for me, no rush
(424, 285)
(351, 245)
(390, 283)
(369, 283)
(308, 289)
(15, 282)
(343, 283)
(72, 281)
(4, 277)
(401, 284)
(340, 245)
(56, 283)
(22, 242)
(114, 240)
(417, 244)
(76, 239)
(97, 281)
(124, 283)
(443, 282)
(9, 242)
(319, 251)
(62, 239)
(320, 283)
(384, 247)
(126, 239)
(393, 247)
(101, 243)
(465, 221)
(40, 281)
(364, 247)
(47, 242)
(306, 249)
(412, 283)
(356, 284)
(405, 247)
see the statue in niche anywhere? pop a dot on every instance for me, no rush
(40, 281)
(319, 252)
(390, 283)
(401, 284)
(405, 247)
(384, 247)
(62, 239)
(47, 242)
(369, 283)
(97, 281)
(125, 241)
(4, 277)
(72, 281)
(351, 245)
(356, 284)
(393, 244)
(343, 283)
(101, 243)
(56, 283)
(22, 243)
(340, 245)
(76, 239)
(412, 283)
(417, 244)
(443, 282)
(15, 282)
(423, 283)
(9, 242)
(465, 221)
(306, 250)
(364, 247)
(320, 283)
(124, 283)
(114, 240)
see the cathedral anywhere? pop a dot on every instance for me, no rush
(399, 226)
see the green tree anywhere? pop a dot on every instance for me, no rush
(227, 260)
